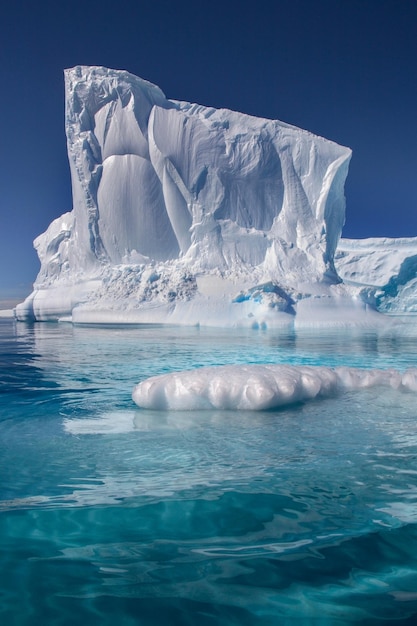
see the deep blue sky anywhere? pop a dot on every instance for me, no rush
(344, 69)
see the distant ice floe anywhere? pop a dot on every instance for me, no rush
(259, 387)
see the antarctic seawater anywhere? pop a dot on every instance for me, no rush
(114, 515)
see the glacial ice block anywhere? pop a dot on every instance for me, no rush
(186, 190)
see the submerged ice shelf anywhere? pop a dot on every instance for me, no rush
(187, 214)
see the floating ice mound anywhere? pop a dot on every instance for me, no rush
(259, 387)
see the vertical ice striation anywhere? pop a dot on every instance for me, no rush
(107, 116)
(210, 191)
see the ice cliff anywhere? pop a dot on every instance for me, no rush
(185, 213)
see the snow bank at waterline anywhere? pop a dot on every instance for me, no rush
(259, 387)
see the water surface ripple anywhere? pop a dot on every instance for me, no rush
(114, 515)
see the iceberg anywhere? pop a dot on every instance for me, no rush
(260, 387)
(383, 270)
(188, 214)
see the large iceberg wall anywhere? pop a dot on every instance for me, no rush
(168, 196)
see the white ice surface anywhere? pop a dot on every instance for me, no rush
(259, 387)
(384, 270)
(374, 261)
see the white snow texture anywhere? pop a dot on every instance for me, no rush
(384, 269)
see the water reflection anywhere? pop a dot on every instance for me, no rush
(181, 347)
(109, 512)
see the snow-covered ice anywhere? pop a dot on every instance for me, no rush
(259, 387)
(384, 270)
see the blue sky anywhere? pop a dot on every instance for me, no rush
(343, 69)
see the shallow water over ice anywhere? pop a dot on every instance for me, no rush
(111, 514)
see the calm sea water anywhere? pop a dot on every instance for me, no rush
(111, 515)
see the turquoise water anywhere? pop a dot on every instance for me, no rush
(112, 515)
